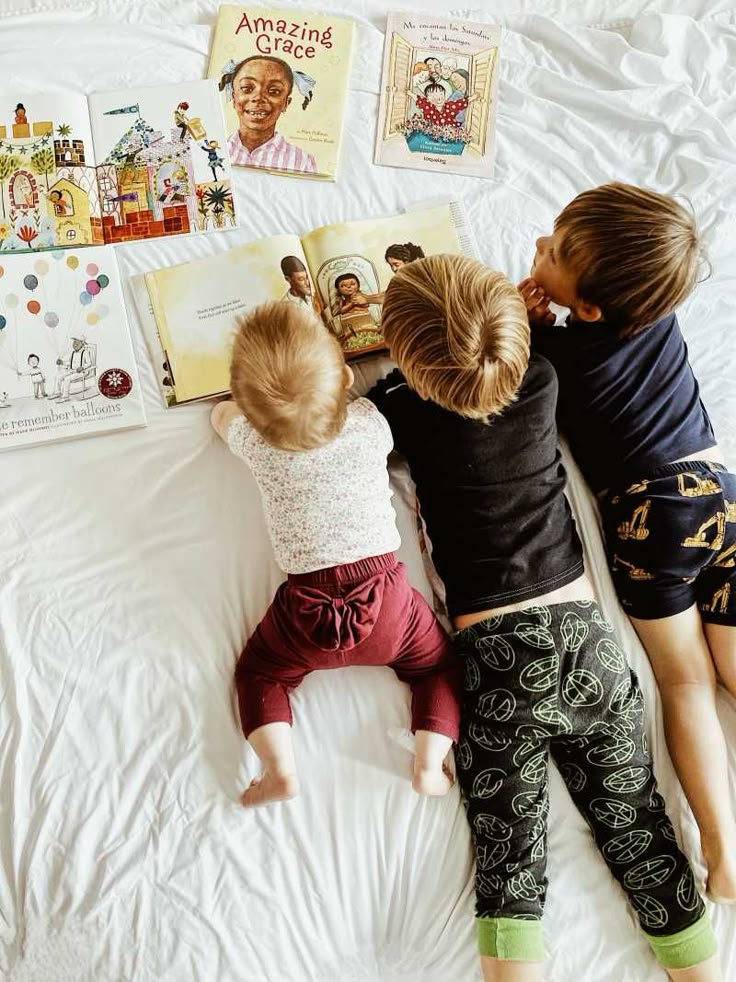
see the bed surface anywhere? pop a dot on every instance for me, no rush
(133, 566)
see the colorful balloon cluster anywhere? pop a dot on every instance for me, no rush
(95, 284)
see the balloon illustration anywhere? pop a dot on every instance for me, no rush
(58, 255)
(12, 301)
(92, 318)
(41, 267)
(92, 270)
(85, 298)
(3, 322)
(92, 287)
(102, 311)
(33, 306)
(30, 282)
(103, 280)
(51, 319)
(2, 271)
(72, 262)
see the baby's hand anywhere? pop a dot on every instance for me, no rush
(222, 415)
(537, 303)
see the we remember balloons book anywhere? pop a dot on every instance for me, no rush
(66, 361)
(113, 167)
(438, 100)
(340, 272)
(283, 74)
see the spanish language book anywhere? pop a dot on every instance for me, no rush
(283, 75)
(438, 101)
(66, 361)
(340, 272)
(112, 167)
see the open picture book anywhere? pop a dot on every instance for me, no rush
(111, 167)
(283, 74)
(189, 312)
(437, 107)
(66, 361)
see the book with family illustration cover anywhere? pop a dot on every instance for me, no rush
(119, 166)
(66, 361)
(438, 99)
(284, 76)
(340, 272)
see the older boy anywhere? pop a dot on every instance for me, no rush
(622, 259)
(475, 418)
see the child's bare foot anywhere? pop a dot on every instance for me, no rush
(721, 883)
(431, 781)
(270, 787)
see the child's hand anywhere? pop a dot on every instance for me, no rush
(222, 415)
(537, 303)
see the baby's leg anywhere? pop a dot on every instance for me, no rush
(430, 666)
(432, 775)
(275, 750)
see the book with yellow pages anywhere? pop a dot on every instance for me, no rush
(283, 75)
(339, 271)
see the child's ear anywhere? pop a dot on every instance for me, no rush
(590, 312)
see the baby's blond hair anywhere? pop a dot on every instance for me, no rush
(288, 376)
(459, 332)
(636, 253)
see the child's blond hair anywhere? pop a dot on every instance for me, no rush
(288, 376)
(636, 253)
(459, 332)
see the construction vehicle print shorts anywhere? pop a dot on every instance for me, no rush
(552, 680)
(671, 542)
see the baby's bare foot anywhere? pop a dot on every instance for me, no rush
(270, 787)
(432, 782)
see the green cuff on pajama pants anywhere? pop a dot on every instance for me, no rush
(689, 947)
(510, 939)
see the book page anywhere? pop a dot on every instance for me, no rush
(196, 306)
(48, 184)
(352, 264)
(163, 167)
(285, 110)
(438, 101)
(66, 361)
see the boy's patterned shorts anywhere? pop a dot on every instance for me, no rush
(671, 542)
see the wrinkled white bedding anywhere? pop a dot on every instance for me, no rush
(133, 566)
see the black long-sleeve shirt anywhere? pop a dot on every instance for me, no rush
(491, 494)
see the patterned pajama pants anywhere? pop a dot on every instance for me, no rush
(553, 680)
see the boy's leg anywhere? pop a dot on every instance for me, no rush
(607, 769)
(683, 666)
(502, 770)
(722, 643)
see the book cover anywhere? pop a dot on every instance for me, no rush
(66, 361)
(340, 272)
(162, 164)
(113, 167)
(438, 102)
(284, 76)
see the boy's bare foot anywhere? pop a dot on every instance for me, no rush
(270, 787)
(432, 782)
(720, 887)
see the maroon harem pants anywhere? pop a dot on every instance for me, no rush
(363, 613)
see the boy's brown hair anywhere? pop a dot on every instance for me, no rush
(287, 374)
(459, 332)
(636, 253)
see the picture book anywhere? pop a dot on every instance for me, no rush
(283, 75)
(339, 271)
(81, 170)
(438, 103)
(66, 361)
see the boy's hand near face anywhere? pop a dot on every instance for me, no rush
(537, 303)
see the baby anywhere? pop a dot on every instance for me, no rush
(320, 464)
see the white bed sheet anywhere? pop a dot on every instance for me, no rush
(132, 567)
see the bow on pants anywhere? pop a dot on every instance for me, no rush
(340, 622)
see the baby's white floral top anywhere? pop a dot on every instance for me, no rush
(328, 506)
